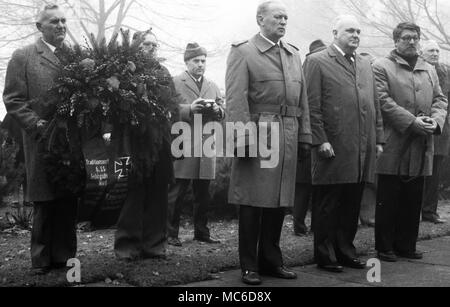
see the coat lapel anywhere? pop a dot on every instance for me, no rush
(205, 87)
(359, 67)
(189, 83)
(333, 52)
(47, 55)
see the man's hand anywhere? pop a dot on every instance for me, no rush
(431, 126)
(197, 106)
(326, 151)
(424, 125)
(380, 150)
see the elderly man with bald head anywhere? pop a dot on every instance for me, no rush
(31, 72)
(431, 53)
(265, 84)
(347, 135)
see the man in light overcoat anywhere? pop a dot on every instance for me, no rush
(265, 84)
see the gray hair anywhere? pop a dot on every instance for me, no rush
(43, 13)
(341, 18)
(263, 7)
(430, 43)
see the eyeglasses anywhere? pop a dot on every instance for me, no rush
(408, 38)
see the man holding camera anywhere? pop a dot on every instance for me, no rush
(198, 96)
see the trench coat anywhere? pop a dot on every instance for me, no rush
(195, 168)
(345, 112)
(442, 143)
(265, 83)
(31, 73)
(404, 94)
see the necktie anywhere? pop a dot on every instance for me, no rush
(59, 54)
(199, 84)
(349, 58)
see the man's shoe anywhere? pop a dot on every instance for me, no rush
(208, 240)
(41, 271)
(387, 256)
(251, 278)
(411, 255)
(435, 220)
(174, 242)
(333, 268)
(439, 221)
(354, 263)
(281, 272)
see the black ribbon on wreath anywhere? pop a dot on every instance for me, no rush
(63, 158)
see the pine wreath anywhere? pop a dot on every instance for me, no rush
(114, 83)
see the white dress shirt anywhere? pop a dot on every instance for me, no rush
(344, 54)
(272, 43)
(52, 48)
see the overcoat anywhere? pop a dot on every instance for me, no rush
(203, 168)
(31, 73)
(406, 93)
(265, 83)
(345, 113)
(442, 143)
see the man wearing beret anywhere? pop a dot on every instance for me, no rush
(194, 91)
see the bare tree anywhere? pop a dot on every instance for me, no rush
(102, 17)
(382, 15)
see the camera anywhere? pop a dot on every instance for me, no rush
(208, 109)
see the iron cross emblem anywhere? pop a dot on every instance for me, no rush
(122, 167)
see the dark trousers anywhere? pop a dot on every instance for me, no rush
(398, 213)
(141, 228)
(259, 238)
(336, 212)
(177, 196)
(303, 193)
(431, 191)
(54, 236)
(368, 204)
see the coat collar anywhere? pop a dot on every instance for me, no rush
(189, 82)
(263, 45)
(420, 65)
(334, 53)
(47, 54)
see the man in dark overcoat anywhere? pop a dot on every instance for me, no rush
(431, 53)
(347, 133)
(31, 73)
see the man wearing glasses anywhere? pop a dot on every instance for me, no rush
(414, 110)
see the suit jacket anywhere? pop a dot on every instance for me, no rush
(345, 113)
(31, 73)
(194, 167)
(261, 79)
